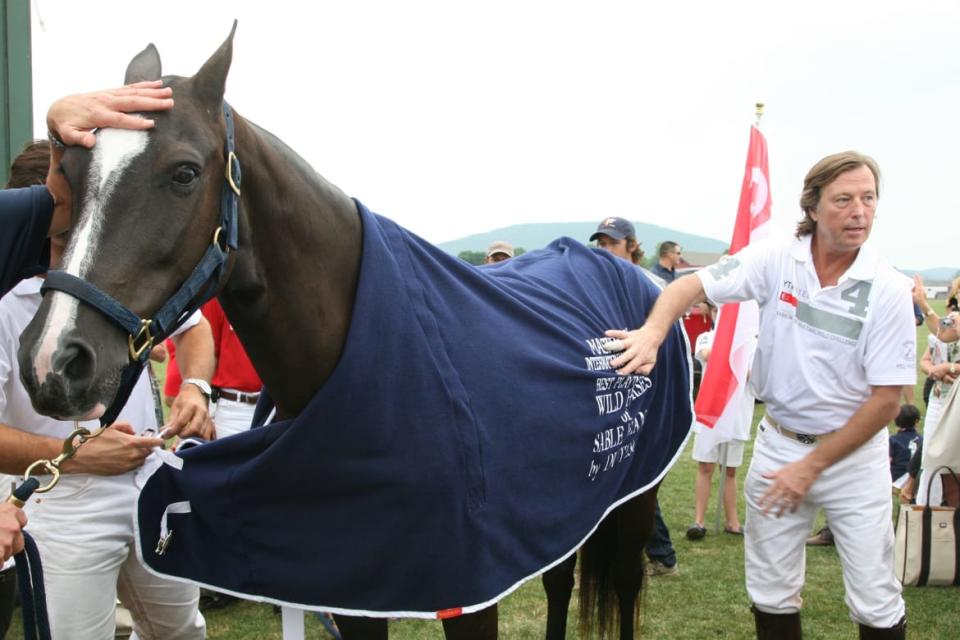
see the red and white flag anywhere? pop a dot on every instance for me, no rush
(724, 404)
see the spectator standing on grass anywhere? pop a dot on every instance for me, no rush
(708, 457)
(943, 366)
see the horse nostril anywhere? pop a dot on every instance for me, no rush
(76, 361)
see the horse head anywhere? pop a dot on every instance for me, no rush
(144, 211)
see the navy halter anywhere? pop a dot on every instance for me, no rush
(199, 287)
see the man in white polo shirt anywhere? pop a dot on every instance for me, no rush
(836, 345)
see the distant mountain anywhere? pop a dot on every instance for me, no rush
(537, 235)
(938, 274)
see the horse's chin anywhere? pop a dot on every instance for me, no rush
(93, 414)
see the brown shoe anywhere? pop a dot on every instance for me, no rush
(822, 538)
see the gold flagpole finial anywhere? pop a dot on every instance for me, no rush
(759, 112)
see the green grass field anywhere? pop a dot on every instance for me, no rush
(707, 599)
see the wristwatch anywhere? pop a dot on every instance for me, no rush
(201, 384)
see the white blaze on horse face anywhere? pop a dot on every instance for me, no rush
(113, 153)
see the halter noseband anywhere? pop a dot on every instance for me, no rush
(199, 286)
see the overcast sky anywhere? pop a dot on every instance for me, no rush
(454, 117)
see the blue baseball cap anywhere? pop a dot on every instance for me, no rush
(616, 228)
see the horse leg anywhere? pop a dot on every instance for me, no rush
(481, 625)
(634, 523)
(356, 628)
(558, 583)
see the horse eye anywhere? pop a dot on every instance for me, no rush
(186, 174)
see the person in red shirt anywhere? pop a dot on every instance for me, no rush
(235, 384)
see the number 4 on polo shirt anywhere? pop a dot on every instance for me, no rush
(859, 295)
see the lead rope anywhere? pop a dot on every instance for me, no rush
(33, 597)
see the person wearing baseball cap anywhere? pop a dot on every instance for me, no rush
(618, 236)
(498, 252)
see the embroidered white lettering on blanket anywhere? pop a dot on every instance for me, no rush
(472, 435)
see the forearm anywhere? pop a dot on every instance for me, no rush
(638, 348)
(195, 354)
(932, 321)
(880, 408)
(673, 302)
(19, 449)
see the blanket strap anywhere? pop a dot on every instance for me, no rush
(166, 534)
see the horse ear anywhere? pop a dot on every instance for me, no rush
(211, 80)
(144, 66)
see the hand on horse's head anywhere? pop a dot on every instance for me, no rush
(73, 118)
(117, 450)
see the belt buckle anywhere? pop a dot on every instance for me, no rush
(806, 438)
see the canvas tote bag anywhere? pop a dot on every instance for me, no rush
(942, 448)
(927, 544)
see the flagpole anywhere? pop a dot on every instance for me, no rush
(722, 453)
(722, 464)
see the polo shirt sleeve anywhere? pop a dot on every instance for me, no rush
(743, 276)
(24, 250)
(890, 350)
(190, 322)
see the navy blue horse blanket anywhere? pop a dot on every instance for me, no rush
(472, 436)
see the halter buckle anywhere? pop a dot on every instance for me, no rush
(142, 341)
(231, 160)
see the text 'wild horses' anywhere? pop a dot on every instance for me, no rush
(445, 432)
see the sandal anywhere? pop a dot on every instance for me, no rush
(733, 532)
(696, 532)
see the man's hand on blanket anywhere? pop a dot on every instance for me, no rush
(189, 415)
(639, 350)
(117, 450)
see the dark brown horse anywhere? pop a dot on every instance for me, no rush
(138, 236)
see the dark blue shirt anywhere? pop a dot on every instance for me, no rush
(903, 444)
(25, 219)
(668, 275)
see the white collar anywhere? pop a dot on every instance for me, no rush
(28, 287)
(864, 266)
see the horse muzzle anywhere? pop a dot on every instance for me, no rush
(61, 375)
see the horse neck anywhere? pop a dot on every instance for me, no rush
(291, 290)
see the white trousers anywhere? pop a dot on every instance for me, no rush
(855, 495)
(231, 417)
(84, 532)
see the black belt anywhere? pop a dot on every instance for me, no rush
(235, 396)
